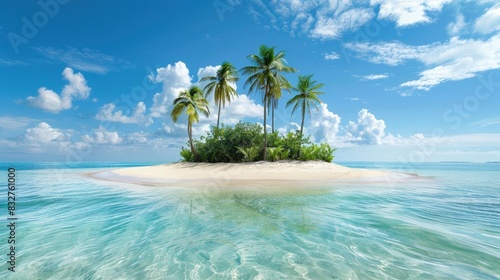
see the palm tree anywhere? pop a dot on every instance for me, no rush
(220, 85)
(273, 100)
(308, 91)
(192, 101)
(264, 75)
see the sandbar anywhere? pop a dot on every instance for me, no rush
(281, 173)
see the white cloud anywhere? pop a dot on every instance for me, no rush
(331, 56)
(487, 122)
(137, 137)
(408, 12)
(240, 107)
(102, 136)
(368, 129)
(207, 71)
(489, 22)
(454, 60)
(108, 113)
(420, 148)
(85, 59)
(324, 125)
(331, 19)
(175, 78)
(11, 62)
(374, 77)
(390, 53)
(332, 25)
(50, 101)
(458, 60)
(315, 18)
(43, 133)
(291, 127)
(458, 26)
(15, 123)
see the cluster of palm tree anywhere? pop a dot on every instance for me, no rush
(264, 76)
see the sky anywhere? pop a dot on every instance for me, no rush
(407, 81)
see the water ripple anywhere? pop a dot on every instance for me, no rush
(78, 228)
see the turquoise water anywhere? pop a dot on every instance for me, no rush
(445, 225)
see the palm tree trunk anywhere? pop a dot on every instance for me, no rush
(190, 134)
(265, 130)
(303, 116)
(302, 125)
(218, 115)
(272, 116)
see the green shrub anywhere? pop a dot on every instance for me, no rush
(186, 155)
(277, 153)
(243, 143)
(250, 153)
(314, 152)
(325, 152)
(221, 145)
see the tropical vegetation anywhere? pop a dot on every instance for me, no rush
(308, 91)
(241, 143)
(265, 76)
(191, 101)
(220, 85)
(247, 142)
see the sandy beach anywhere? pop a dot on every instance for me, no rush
(289, 173)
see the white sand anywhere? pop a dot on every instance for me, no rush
(288, 173)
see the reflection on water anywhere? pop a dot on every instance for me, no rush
(270, 213)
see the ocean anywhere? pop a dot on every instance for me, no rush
(443, 224)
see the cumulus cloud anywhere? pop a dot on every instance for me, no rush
(208, 71)
(407, 13)
(367, 130)
(489, 22)
(175, 78)
(43, 133)
(240, 107)
(109, 113)
(102, 136)
(291, 127)
(52, 102)
(324, 125)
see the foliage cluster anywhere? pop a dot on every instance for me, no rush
(243, 143)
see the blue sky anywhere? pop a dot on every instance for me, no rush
(404, 81)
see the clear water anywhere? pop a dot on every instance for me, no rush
(443, 226)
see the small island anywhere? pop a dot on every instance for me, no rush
(231, 157)
(246, 154)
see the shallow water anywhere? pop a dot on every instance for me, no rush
(444, 225)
